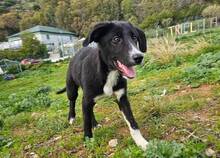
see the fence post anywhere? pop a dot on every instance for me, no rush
(214, 20)
(171, 30)
(178, 29)
(156, 33)
(191, 28)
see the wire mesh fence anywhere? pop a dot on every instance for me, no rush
(9, 66)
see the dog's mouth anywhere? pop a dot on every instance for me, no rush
(126, 71)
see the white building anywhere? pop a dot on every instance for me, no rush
(50, 36)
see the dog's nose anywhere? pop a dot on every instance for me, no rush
(138, 58)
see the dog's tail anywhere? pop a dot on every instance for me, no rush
(61, 90)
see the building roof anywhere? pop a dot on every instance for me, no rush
(45, 29)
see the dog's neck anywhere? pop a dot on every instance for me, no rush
(104, 66)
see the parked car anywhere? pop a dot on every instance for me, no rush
(29, 61)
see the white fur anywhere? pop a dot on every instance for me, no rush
(137, 136)
(110, 82)
(134, 50)
(98, 126)
(71, 120)
(119, 93)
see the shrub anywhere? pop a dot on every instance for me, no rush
(13, 69)
(211, 11)
(11, 54)
(31, 47)
(165, 49)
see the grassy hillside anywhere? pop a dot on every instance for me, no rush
(79, 16)
(175, 99)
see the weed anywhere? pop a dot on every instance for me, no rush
(194, 149)
(51, 125)
(36, 98)
(205, 70)
(164, 49)
(163, 149)
(5, 142)
(1, 123)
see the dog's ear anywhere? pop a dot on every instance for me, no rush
(142, 40)
(97, 32)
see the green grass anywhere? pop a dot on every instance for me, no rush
(182, 123)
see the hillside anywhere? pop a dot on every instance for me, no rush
(175, 99)
(79, 16)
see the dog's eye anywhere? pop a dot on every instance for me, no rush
(116, 39)
(134, 38)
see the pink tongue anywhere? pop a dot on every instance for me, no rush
(127, 71)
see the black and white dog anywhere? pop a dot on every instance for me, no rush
(104, 70)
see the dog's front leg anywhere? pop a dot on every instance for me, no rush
(87, 108)
(125, 108)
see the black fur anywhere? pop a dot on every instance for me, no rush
(90, 67)
(61, 90)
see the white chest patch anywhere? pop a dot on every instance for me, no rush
(110, 82)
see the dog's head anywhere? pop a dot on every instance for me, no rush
(122, 45)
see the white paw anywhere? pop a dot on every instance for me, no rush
(139, 139)
(143, 144)
(97, 126)
(71, 121)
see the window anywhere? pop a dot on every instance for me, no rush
(48, 37)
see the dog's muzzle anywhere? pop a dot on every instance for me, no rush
(137, 58)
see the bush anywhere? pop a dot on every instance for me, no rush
(165, 49)
(11, 54)
(13, 69)
(32, 48)
(211, 11)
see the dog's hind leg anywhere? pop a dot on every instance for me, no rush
(72, 93)
(95, 124)
(87, 107)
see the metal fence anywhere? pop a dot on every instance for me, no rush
(6, 65)
(200, 25)
(65, 51)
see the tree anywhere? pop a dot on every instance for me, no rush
(31, 47)
(62, 15)
(8, 24)
(29, 19)
(47, 12)
(211, 11)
